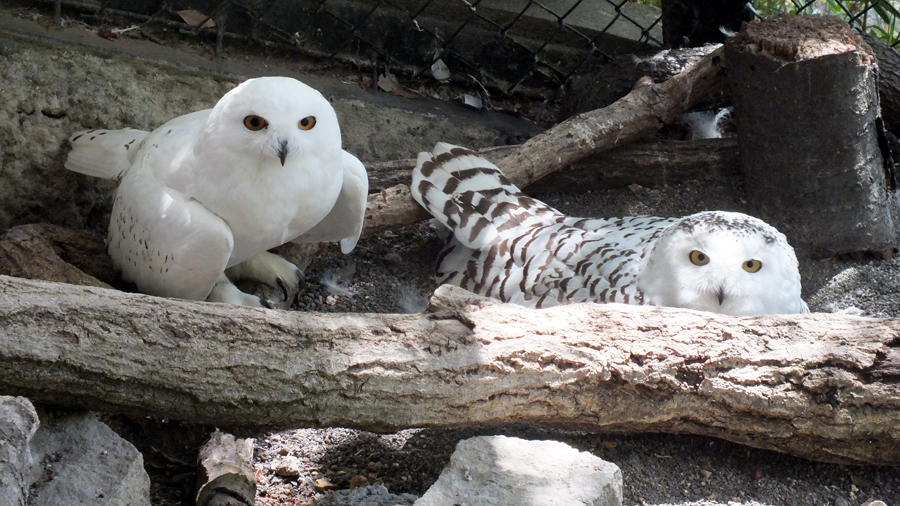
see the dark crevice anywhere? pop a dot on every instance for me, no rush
(53, 113)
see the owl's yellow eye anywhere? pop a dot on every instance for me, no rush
(255, 123)
(752, 265)
(307, 123)
(698, 258)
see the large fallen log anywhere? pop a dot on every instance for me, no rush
(635, 116)
(821, 386)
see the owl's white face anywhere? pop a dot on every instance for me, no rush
(278, 122)
(268, 161)
(737, 265)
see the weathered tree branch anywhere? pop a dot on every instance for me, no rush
(821, 386)
(635, 116)
(650, 163)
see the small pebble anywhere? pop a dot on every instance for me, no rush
(287, 467)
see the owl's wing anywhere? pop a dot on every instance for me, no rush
(473, 199)
(104, 153)
(573, 261)
(164, 242)
(596, 260)
(344, 222)
(108, 154)
(507, 245)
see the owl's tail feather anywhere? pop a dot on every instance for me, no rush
(104, 153)
(472, 198)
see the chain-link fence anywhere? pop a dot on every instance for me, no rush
(506, 45)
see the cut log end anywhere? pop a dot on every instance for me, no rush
(798, 38)
(225, 472)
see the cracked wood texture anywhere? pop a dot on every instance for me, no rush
(821, 386)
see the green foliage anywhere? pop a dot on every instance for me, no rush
(880, 18)
(876, 17)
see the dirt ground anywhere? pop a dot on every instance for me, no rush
(391, 272)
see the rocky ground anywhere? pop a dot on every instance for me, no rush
(391, 272)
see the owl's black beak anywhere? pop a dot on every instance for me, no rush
(721, 295)
(282, 150)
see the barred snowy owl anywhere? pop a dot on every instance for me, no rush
(504, 244)
(214, 189)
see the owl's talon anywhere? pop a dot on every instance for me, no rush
(270, 269)
(225, 291)
(281, 285)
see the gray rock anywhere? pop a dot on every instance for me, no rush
(18, 423)
(373, 495)
(72, 91)
(504, 471)
(72, 459)
(79, 460)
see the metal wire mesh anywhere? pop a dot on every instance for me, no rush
(506, 45)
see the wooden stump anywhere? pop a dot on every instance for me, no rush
(806, 106)
(225, 472)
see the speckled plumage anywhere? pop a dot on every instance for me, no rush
(214, 189)
(504, 244)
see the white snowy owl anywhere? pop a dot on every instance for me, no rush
(504, 244)
(214, 189)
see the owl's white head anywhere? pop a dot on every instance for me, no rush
(275, 122)
(723, 262)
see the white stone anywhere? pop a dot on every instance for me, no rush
(505, 471)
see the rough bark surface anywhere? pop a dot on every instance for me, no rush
(821, 386)
(225, 472)
(650, 163)
(635, 116)
(806, 104)
(54, 253)
(603, 82)
(888, 81)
